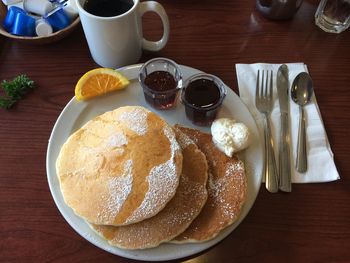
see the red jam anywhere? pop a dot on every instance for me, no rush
(160, 81)
(162, 89)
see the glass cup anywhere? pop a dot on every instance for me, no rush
(333, 16)
(160, 79)
(202, 97)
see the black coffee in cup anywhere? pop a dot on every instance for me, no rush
(108, 8)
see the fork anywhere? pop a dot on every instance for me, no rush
(264, 103)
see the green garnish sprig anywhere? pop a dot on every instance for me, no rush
(15, 90)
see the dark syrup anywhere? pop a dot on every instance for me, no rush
(108, 8)
(200, 95)
(164, 86)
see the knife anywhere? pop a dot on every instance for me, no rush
(285, 183)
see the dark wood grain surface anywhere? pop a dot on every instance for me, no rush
(312, 224)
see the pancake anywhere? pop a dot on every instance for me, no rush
(178, 214)
(120, 167)
(227, 188)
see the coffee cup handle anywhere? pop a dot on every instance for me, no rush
(152, 6)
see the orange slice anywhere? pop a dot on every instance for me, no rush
(99, 81)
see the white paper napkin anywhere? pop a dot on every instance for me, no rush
(321, 167)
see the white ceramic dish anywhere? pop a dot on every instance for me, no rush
(76, 114)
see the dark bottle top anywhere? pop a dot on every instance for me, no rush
(278, 9)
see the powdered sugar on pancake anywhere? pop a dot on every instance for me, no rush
(172, 220)
(119, 188)
(219, 186)
(118, 139)
(184, 140)
(136, 120)
(197, 191)
(176, 216)
(160, 179)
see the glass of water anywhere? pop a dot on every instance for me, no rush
(333, 16)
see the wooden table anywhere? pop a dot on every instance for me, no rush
(312, 224)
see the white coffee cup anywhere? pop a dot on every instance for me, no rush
(118, 41)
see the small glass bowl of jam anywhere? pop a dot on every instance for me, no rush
(202, 96)
(160, 79)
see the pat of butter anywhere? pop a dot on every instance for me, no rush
(229, 136)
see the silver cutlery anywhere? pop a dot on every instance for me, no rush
(301, 93)
(264, 103)
(284, 166)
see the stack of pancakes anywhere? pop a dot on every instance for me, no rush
(138, 182)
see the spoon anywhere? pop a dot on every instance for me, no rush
(301, 93)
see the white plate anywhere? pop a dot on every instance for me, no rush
(76, 114)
